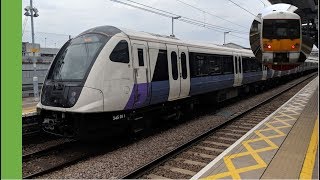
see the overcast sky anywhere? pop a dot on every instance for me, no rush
(59, 18)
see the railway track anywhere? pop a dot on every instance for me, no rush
(31, 129)
(53, 158)
(186, 160)
(30, 125)
(64, 154)
(27, 157)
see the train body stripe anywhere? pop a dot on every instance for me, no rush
(159, 92)
(141, 90)
(200, 85)
(251, 77)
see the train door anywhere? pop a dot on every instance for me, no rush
(174, 72)
(184, 71)
(141, 74)
(272, 73)
(264, 72)
(238, 72)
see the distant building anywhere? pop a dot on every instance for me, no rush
(42, 55)
(27, 47)
(233, 45)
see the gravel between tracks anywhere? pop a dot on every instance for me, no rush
(30, 148)
(123, 160)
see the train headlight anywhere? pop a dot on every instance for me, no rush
(267, 46)
(295, 46)
(73, 95)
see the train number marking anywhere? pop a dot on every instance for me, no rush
(118, 117)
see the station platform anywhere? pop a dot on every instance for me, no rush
(29, 106)
(282, 146)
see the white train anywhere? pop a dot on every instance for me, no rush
(106, 80)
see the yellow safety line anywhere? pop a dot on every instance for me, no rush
(308, 164)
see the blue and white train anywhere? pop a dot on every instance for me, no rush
(106, 80)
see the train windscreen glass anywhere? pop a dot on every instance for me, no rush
(281, 29)
(75, 59)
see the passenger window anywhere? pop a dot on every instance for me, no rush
(140, 57)
(120, 53)
(246, 64)
(215, 66)
(228, 65)
(174, 64)
(184, 65)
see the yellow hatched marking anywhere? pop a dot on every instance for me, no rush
(308, 165)
(282, 119)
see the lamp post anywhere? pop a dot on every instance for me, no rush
(45, 42)
(224, 37)
(172, 23)
(33, 12)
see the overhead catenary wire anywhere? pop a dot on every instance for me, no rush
(181, 18)
(50, 33)
(212, 29)
(242, 8)
(197, 8)
(176, 15)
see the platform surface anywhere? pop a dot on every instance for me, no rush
(28, 106)
(282, 146)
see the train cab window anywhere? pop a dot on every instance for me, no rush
(281, 29)
(174, 64)
(161, 68)
(184, 65)
(140, 57)
(120, 53)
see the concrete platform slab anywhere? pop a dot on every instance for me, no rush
(29, 106)
(278, 147)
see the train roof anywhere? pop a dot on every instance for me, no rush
(281, 15)
(150, 37)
